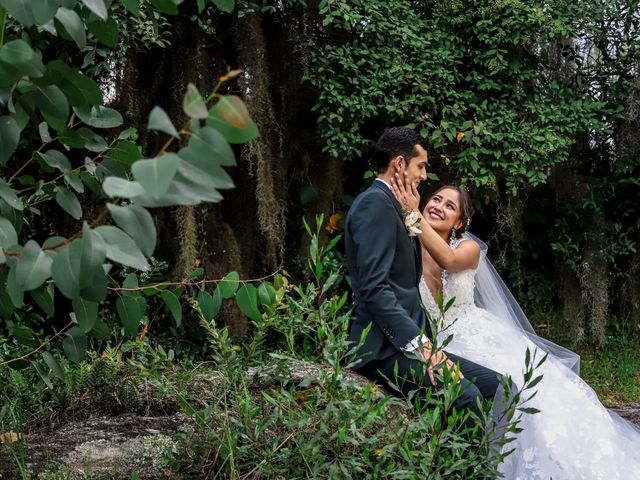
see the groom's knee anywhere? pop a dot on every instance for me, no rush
(469, 396)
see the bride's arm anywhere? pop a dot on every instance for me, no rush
(465, 256)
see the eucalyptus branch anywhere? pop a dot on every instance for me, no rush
(42, 345)
(3, 18)
(187, 283)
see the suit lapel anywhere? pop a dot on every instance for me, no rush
(415, 243)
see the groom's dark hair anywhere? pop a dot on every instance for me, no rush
(396, 141)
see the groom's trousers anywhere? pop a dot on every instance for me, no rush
(479, 382)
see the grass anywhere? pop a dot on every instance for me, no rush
(613, 371)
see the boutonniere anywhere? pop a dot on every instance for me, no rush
(412, 222)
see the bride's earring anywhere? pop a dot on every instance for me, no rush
(453, 236)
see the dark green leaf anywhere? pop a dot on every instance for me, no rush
(43, 296)
(51, 362)
(93, 254)
(45, 11)
(225, 5)
(207, 305)
(133, 6)
(247, 300)
(43, 375)
(73, 179)
(9, 138)
(92, 141)
(138, 223)
(75, 345)
(159, 120)
(105, 31)
(21, 10)
(19, 55)
(97, 7)
(51, 101)
(156, 174)
(167, 6)
(69, 202)
(173, 304)
(266, 294)
(129, 313)
(125, 152)
(121, 248)
(56, 159)
(229, 284)
(80, 90)
(86, 313)
(73, 26)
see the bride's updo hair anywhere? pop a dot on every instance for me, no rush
(466, 207)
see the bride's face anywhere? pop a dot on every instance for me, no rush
(443, 210)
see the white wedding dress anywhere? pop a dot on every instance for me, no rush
(574, 437)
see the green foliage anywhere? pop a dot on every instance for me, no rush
(54, 124)
(470, 76)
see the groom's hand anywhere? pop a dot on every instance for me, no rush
(434, 359)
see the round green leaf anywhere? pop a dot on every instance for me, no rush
(56, 159)
(121, 248)
(208, 145)
(193, 104)
(207, 305)
(156, 174)
(247, 300)
(138, 223)
(66, 268)
(75, 345)
(231, 133)
(69, 202)
(8, 235)
(99, 117)
(33, 266)
(229, 284)
(119, 187)
(266, 294)
(159, 120)
(9, 195)
(86, 313)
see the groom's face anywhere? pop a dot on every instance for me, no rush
(416, 166)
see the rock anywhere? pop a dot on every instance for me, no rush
(628, 411)
(103, 448)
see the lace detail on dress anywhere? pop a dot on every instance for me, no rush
(574, 437)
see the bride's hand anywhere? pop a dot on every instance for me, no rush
(405, 192)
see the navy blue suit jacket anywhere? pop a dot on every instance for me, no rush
(385, 266)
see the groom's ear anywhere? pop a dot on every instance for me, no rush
(398, 162)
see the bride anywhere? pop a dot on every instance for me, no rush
(574, 437)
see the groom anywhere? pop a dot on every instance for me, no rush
(385, 265)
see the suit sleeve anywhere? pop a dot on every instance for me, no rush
(375, 241)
